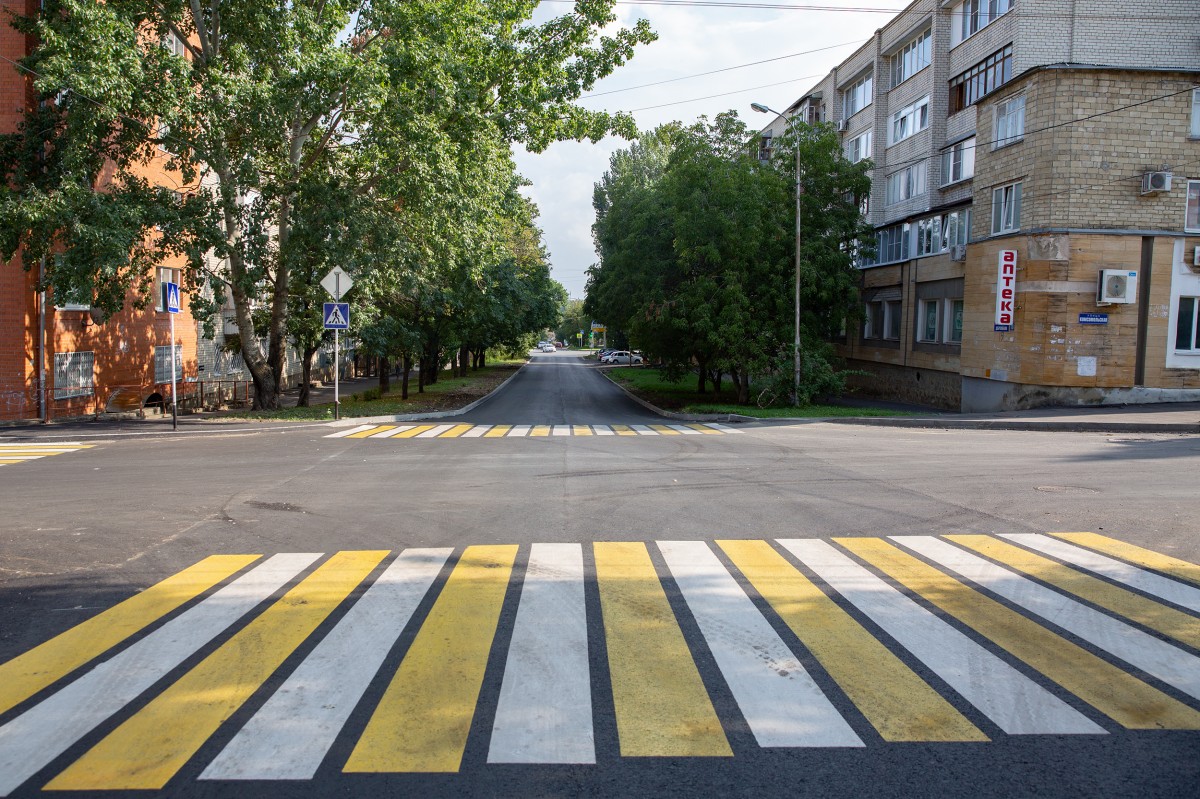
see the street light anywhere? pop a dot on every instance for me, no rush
(763, 109)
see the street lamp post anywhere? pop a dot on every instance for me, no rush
(762, 109)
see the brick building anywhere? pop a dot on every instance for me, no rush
(1061, 137)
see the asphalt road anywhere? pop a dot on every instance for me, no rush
(458, 637)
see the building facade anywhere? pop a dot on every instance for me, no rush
(1027, 154)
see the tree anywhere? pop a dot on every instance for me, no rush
(252, 112)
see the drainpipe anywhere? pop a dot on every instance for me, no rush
(43, 414)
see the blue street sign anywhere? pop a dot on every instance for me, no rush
(337, 316)
(171, 292)
(1093, 319)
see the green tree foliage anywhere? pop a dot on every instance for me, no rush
(273, 114)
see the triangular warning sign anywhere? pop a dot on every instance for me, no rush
(335, 318)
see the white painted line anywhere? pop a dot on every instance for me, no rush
(602, 430)
(1147, 582)
(1014, 702)
(1154, 656)
(8, 450)
(35, 738)
(544, 713)
(349, 431)
(14, 456)
(291, 734)
(721, 427)
(434, 432)
(687, 431)
(477, 431)
(561, 430)
(392, 431)
(518, 431)
(643, 430)
(780, 701)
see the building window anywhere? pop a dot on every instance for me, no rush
(906, 184)
(165, 276)
(939, 321)
(162, 363)
(174, 45)
(958, 162)
(891, 320)
(1006, 208)
(1010, 121)
(971, 16)
(1187, 325)
(873, 320)
(764, 148)
(929, 235)
(1191, 216)
(891, 243)
(956, 228)
(982, 79)
(73, 374)
(859, 147)
(909, 121)
(912, 57)
(857, 96)
(1195, 129)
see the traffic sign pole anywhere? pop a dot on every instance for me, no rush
(174, 402)
(337, 358)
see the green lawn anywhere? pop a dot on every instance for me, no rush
(681, 396)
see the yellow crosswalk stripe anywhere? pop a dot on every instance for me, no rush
(1166, 620)
(662, 706)
(581, 430)
(26, 674)
(456, 431)
(149, 748)
(1146, 558)
(422, 721)
(898, 703)
(705, 429)
(536, 431)
(383, 428)
(1122, 697)
(623, 430)
(499, 431)
(540, 430)
(663, 430)
(415, 431)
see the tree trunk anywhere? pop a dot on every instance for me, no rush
(421, 372)
(407, 361)
(464, 359)
(701, 378)
(716, 377)
(305, 375)
(742, 380)
(385, 375)
(483, 358)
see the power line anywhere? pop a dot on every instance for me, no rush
(723, 94)
(761, 6)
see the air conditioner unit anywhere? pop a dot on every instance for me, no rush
(842, 125)
(1154, 182)
(1116, 286)
(958, 252)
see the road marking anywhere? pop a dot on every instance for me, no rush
(456, 431)
(644, 430)
(36, 737)
(498, 431)
(1016, 704)
(1143, 610)
(603, 430)
(1155, 657)
(422, 721)
(540, 430)
(1148, 583)
(779, 699)
(1114, 692)
(581, 430)
(393, 432)
(545, 707)
(518, 431)
(11, 454)
(414, 431)
(624, 430)
(138, 755)
(290, 736)
(26, 674)
(435, 431)
(351, 431)
(664, 430)
(684, 429)
(1180, 569)
(898, 704)
(562, 430)
(477, 431)
(706, 429)
(373, 431)
(662, 707)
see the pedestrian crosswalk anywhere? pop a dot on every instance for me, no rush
(20, 453)
(848, 642)
(529, 430)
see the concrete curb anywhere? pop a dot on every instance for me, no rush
(416, 417)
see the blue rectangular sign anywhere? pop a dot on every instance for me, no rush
(171, 297)
(1093, 319)
(337, 316)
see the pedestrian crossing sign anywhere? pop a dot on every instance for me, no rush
(337, 315)
(171, 290)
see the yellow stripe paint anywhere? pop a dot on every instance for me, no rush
(662, 429)
(1146, 558)
(540, 430)
(623, 430)
(662, 706)
(456, 431)
(581, 430)
(898, 703)
(383, 428)
(703, 429)
(424, 717)
(1145, 611)
(416, 431)
(499, 431)
(151, 746)
(1115, 693)
(25, 675)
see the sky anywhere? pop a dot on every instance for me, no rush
(691, 39)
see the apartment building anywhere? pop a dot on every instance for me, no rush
(1036, 200)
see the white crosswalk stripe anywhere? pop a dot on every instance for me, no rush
(393, 431)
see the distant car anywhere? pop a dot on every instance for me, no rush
(602, 354)
(541, 344)
(624, 356)
(545, 347)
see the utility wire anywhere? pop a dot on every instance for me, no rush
(723, 94)
(760, 6)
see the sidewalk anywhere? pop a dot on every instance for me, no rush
(1181, 417)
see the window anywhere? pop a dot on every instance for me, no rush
(1006, 208)
(891, 320)
(956, 228)
(859, 147)
(165, 276)
(958, 162)
(939, 321)
(984, 78)
(1187, 325)
(971, 16)
(912, 57)
(857, 96)
(892, 243)
(174, 44)
(909, 121)
(162, 363)
(873, 320)
(73, 374)
(954, 321)
(1195, 129)
(1191, 217)
(764, 148)
(905, 184)
(1010, 121)
(929, 235)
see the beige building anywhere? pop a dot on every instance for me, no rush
(1053, 140)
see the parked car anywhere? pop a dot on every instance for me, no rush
(624, 356)
(546, 347)
(602, 354)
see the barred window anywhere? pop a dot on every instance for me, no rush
(162, 363)
(74, 374)
(984, 78)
